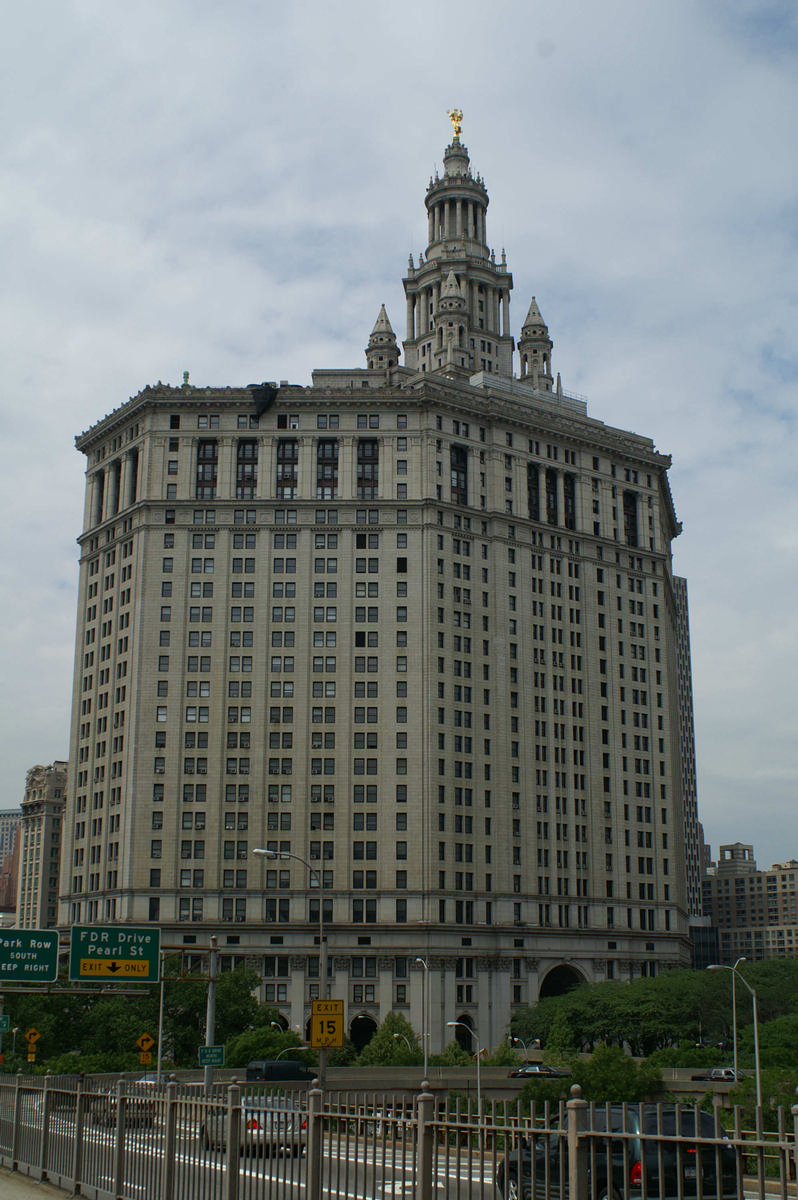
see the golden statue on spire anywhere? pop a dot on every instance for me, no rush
(455, 115)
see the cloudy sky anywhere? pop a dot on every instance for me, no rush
(233, 188)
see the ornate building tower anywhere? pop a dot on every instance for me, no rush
(458, 298)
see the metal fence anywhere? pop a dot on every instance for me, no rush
(116, 1141)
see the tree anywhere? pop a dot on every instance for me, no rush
(609, 1075)
(453, 1055)
(266, 1042)
(389, 1046)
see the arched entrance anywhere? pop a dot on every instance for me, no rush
(361, 1031)
(560, 980)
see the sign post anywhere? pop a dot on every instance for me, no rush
(114, 952)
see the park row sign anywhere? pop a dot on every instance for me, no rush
(96, 952)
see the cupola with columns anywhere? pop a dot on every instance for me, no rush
(458, 297)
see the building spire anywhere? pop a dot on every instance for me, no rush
(534, 347)
(471, 330)
(382, 351)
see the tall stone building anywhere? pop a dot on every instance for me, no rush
(414, 625)
(40, 841)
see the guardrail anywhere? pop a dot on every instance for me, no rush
(180, 1142)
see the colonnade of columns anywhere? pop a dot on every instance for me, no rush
(495, 316)
(457, 218)
(112, 488)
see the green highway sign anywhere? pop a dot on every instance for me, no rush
(28, 956)
(211, 1056)
(114, 952)
(5, 1023)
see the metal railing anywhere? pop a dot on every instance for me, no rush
(107, 1140)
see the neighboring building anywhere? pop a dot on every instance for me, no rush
(40, 846)
(416, 625)
(9, 825)
(755, 913)
(9, 828)
(689, 782)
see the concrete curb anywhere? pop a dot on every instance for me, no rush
(15, 1186)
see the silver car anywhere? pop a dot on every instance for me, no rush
(269, 1124)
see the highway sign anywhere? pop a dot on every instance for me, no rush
(327, 1024)
(5, 1023)
(145, 1042)
(28, 956)
(211, 1056)
(114, 952)
(32, 1037)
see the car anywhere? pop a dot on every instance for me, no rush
(268, 1123)
(538, 1071)
(139, 1108)
(719, 1075)
(274, 1070)
(671, 1169)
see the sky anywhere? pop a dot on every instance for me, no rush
(233, 189)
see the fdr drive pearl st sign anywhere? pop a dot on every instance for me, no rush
(114, 952)
(28, 956)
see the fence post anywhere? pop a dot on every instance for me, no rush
(232, 1150)
(81, 1118)
(169, 1142)
(121, 1127)
(315, 1141)
(425, 1141)
(44, 1141)
(17, 1121)
(577, 1145)
(794, 1111)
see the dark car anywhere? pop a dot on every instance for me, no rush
(538, 1071)
(670, 1169)
(279, 1071)
(719, 1075)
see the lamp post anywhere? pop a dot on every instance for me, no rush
(405, 1039)
(474, 1034)
(323, 986)
(425, 1016)
(517, 1041)
(735, 972)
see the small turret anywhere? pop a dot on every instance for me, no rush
(382, 352)
(535, 347)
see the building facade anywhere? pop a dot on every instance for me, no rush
(415, 626)
(753, 913)
(39, 843)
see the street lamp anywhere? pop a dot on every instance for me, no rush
(405, 1039)
(474, 1034)
(517, 1041)
(735, 972)
(287, 1048)
(425, 1016)
(323, 987)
